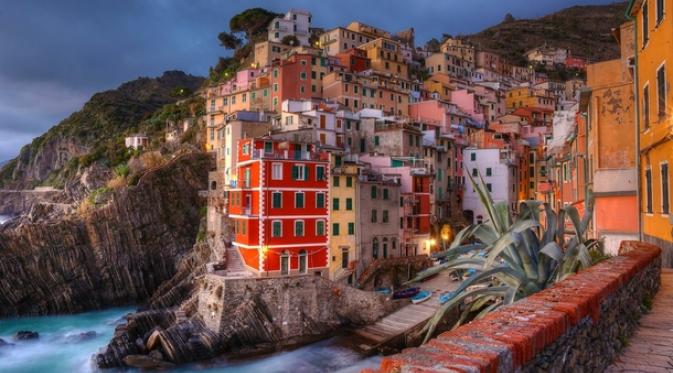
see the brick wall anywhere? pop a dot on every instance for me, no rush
(579, 324)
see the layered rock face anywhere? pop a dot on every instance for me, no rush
(117, 254)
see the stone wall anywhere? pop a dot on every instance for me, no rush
(578, 325)
(284, 310)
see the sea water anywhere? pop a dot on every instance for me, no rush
(59, 350)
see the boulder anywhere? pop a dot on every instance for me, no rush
(153, 342)
(24, 335)
(146, 362)
(81, 337)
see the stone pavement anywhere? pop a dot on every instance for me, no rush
(650, 349)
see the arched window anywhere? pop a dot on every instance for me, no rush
(375, 248)
(385, 247)
(303, 262)
(213, 185)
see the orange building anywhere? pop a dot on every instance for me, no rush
(608, 104)
(653, 56)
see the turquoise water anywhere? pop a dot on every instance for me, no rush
(55, 352)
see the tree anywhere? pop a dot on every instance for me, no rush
(433, 45)
(251, 21)
(228, 40)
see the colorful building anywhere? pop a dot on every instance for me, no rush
(279, 207)
(296, 22)
(653, 56)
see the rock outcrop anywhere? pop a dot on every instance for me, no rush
(117, 254)
(238, 314)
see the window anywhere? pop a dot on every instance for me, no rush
(320, 173)
(385, 193)
(320, 228)
(373, 191)
(277, 200)
(335, 204)
(474, 172)
(284, 261)
(351, 228)
(375, 248)
(320, 200)
(473, 156)
(268, 147)
(384, 216)
(299, 200)
(277, 171)
(376, 141)
(665, 202)
(374, 218)
(298, 228)
(335, 181)
(489, 187)
(661, 91)
(489, 172)
(660, 11)
(349, 204)
(335, 229)
(299, 172)
(648, 181)
(344, 258)
(276, 228)
(646, 107)
(302, 75)
(349, 181)
(646, 26)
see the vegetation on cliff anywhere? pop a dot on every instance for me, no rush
(585, 30)
(97, 131)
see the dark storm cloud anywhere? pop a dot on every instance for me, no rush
(55, 54)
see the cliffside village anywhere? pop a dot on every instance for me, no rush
(333, 157)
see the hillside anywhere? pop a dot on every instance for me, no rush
(95, 133)
(585, 30)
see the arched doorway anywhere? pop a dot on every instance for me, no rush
(303, 262)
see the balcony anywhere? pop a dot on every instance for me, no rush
(287, 154)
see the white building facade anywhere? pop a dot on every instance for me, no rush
(295, 22)
(498, 168)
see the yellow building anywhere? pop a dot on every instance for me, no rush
(440, 86)
(653, 52)
(344, 189)
(525, 96)
(385, 56)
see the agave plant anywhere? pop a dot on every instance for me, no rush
(511, 256)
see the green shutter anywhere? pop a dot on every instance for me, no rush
(319, 200)
(385, 193)
(349, 204)
(320, 173)
(277, 200)
(335, 229)
(276, 229)
(295, 172)
(349, 181)
(335, 204)
(373, 192)
(351, 228)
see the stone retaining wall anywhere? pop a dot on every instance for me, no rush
(578, 325)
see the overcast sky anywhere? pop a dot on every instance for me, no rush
(54, 54)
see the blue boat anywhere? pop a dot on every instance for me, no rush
(443, 298)
(422, 296)
(470, 272)
(405, 293)
(384, 291)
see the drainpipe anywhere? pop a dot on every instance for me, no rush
(637, 114)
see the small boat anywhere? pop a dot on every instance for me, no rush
(470, 272)
(422, 296)
(384, 291)
(443, 298)
(405, 293)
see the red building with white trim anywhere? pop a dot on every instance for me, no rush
(279, 207)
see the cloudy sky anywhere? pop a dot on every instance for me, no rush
(55, 54)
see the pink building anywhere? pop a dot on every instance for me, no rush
(467, 101)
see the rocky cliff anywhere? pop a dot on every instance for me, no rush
(118, 253)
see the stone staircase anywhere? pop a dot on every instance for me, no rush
(235, 266)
